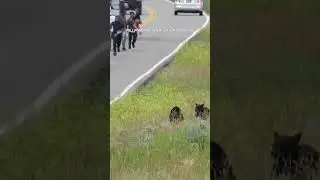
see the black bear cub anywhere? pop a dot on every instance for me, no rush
(176, 114)
(201, 111)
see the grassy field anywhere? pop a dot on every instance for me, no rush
(143, 143)
(266, 78)
(68, 141)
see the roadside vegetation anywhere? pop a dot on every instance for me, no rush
(67, 141)
(144, 145)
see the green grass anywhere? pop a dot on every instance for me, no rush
(170, 87)
(144, 145)
(165, 154)
(67, 141)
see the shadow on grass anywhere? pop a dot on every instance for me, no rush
(68, 140)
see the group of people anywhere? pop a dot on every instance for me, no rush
(122, 27)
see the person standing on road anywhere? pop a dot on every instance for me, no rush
(133, 25)
(137, 16)
(124, 32)
(116, 34)
(131, 31)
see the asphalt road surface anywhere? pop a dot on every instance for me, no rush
(39, 39)
(151, 47)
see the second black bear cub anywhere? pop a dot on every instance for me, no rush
(201, 111)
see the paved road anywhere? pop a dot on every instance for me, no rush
(39, 39)
(152, 47)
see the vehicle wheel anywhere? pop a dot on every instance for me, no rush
(175, 13)
(201, 13)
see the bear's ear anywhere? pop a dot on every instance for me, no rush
(275, 135)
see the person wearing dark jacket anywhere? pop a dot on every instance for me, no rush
(137, 13)
(116, 34)
(137, 16)
(133, 26)
(124, 32)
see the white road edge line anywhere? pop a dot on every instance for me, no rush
(153, 68)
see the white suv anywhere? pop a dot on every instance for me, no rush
(188, 6)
